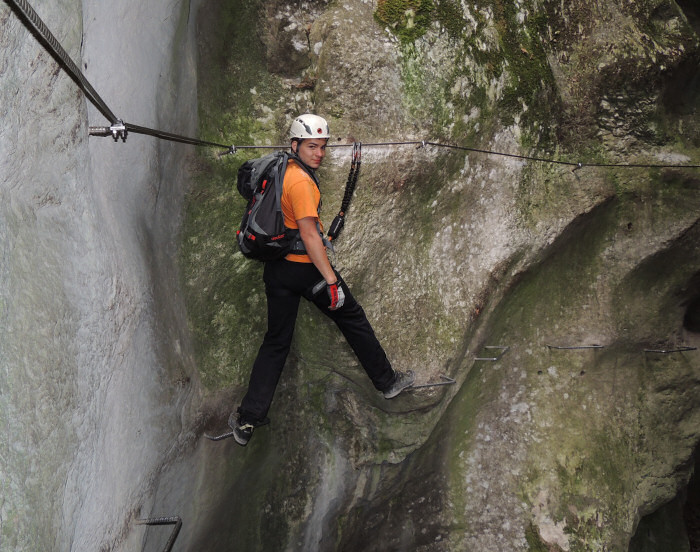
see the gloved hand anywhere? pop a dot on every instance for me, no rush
(336, 295)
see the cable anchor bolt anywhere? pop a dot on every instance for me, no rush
(118, 130)
(230, 151)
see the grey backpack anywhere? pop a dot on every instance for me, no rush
(262, 235)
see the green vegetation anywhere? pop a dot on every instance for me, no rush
(499, 70)
(534, 541)
(408, 19)
(224, 292)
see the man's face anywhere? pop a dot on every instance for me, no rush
(311, 151)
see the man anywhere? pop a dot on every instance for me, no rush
(307, 272)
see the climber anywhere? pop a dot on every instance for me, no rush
(310, 276)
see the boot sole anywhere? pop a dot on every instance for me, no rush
(240, 440)
(395, 393)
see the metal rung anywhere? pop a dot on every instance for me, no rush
(447, 381)
(219, 437)
(668, 351)
(175, 520)
(568, 348)
(503, 350)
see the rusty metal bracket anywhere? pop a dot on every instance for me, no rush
(669, 351)
(446, 381)
(501, 348)
(175, 520)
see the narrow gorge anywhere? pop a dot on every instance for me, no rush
(525, 229)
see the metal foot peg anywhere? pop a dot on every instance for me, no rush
(219, 437)
(230, 433)
(175, 520)
(501, 348)
(669, 351)
(446, 381)
(572, 347)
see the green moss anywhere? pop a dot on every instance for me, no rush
(225, 301)
(530, 93)
(534, 542)
(232, 86)
(510, 83)
(594, 469)
(407, 19)
(410, 19)
(462, 416)
(224, 292)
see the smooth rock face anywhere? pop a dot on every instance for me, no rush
(128, 321)
(92, 392)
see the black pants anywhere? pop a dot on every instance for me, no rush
(285, 283)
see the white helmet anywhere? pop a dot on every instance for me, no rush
(309, 126)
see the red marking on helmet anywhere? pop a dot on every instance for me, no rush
(320, 131)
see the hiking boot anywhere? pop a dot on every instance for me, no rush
(242, 431)
(402, 380)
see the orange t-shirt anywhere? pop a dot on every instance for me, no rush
(300, 199)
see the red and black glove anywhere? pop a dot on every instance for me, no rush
(336, 295)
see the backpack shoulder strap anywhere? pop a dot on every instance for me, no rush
(280, 172)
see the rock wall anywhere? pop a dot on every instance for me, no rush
(94, 383)
(129, 322)
(451, 251)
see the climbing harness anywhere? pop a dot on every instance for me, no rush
(339, 220)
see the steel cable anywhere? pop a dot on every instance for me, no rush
(172, 137)
(33, 22)
(577, 165)
(423, 143)
(46, 37)
(119, 129)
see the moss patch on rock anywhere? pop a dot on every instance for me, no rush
(408, 19)
(224, 292)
